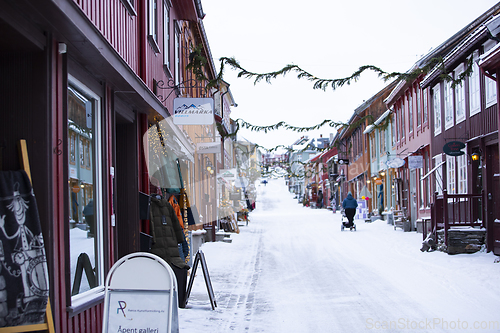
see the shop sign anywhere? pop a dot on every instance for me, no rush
(415, 162)
(208, 147)
(228, 174)
(395, 163)
(378, 181)
(454, 148)
(193, 111)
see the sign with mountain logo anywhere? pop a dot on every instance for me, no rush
(193, 111)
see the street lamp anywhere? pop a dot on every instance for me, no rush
(475, 156)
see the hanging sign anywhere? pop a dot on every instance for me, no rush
(395, 163)
(208, 147)
(415, 162)
(193, 111)
(454, 148)
(227, 174)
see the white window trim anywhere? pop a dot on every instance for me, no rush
(449, 113)
(98, 200)
(459, 95)
(438, 174)
(474, 82)
(451, 185)
(436, 98)
(489, 84)
(411, 115)
(177, 56)
(425, 106)
(166, 34)
(462, 172)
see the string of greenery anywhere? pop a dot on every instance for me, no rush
(198, 61)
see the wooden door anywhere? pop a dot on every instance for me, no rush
(493, 198)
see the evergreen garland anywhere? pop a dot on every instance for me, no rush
(198, 62)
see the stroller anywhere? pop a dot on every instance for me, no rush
(345, 225)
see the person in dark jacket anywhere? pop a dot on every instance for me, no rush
(350, 204)
(167, 234)
(88, 212)
(319, 201)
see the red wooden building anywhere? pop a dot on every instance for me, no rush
(466, 114)
(78, 81)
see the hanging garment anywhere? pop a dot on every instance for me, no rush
(166, 232)
(173, 202)
(24, 281)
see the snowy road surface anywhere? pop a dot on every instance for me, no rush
(293, 270)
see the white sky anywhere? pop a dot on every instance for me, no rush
(329, 39)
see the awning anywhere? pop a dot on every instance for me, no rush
(432, 170)
(368, 129)
(382, 117)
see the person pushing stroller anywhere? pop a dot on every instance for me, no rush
(349, 204)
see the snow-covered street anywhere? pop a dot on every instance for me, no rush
(293, 270)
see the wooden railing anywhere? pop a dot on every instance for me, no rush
(452, 210)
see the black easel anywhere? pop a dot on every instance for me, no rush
(200, 257)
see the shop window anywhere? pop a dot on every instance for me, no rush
(85, 193)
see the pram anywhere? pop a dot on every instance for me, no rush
(345, 225)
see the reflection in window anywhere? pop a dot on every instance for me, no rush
(84, 222)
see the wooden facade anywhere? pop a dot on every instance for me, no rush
(108, 56)
(467, 113)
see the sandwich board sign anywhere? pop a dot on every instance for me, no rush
(141, 296)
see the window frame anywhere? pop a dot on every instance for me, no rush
(177, 55)
(82, 300)
(462, 172)
(459, 96)
(410, 111)
(490, 86)
(166, 34)
(439, 171)
(449, 114)
(425, 106)
(129, 5)
(418, 112)
(475, 86)
(436, 106)
(451, 174)
(153, 25)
